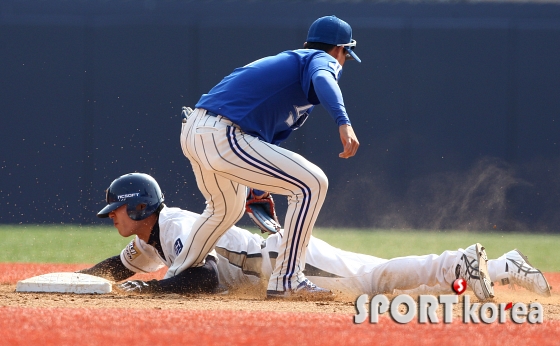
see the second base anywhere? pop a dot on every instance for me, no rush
(65, 283)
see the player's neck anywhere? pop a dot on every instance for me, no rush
(145, 228)
(339, 53)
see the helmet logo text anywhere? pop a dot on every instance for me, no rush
(128, 195)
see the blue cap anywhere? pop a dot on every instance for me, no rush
(335, 31)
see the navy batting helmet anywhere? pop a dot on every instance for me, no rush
(140, 192)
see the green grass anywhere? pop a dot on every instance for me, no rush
(59, 244)
(541, 249)
(80, 244)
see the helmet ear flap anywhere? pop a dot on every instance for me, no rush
(137, 212)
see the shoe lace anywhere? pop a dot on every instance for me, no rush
(471, 271)
(306, 284)
(309, 284)
(520, 276)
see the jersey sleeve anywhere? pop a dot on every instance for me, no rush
(330, 96)
(138, 257)
(321, 82)
(323, 62)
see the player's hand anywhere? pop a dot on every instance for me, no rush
(138, 286)
(349, 141)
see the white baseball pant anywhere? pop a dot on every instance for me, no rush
(243, 261)
(225, 160)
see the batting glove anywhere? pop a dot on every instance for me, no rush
(139, 286)
(186, 113)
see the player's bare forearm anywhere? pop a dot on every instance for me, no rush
(349, 141)
(112, 269)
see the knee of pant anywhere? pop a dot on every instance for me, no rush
(322, 182)
(318, 186)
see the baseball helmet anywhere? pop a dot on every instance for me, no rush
(140, 192)
(334, 31)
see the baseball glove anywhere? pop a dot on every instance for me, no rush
(261, 211)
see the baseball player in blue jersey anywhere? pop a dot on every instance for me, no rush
(241, 259)
(232, 137)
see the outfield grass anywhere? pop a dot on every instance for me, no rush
(59, 244)
(541, 249)
(81, 244)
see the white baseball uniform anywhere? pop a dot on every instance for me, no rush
(245, 259)
(232, 138)
(222, 174)
(175, 227)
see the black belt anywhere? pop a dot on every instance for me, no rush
(212, 114)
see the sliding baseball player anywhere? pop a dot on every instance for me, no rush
(241, 258)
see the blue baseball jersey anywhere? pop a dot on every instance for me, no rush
(273, 96)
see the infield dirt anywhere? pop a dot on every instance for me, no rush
(241, 318)
(241, 300)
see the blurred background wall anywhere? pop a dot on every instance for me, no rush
(456, 106)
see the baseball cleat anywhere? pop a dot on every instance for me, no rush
(474, 269)
(221, 290)
(306, 290)
(523, 274)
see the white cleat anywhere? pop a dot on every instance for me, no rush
(474, 270)
(523, 274)
(306, 290)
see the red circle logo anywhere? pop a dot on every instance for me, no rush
(459, 286)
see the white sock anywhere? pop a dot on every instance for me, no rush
(497, 269)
